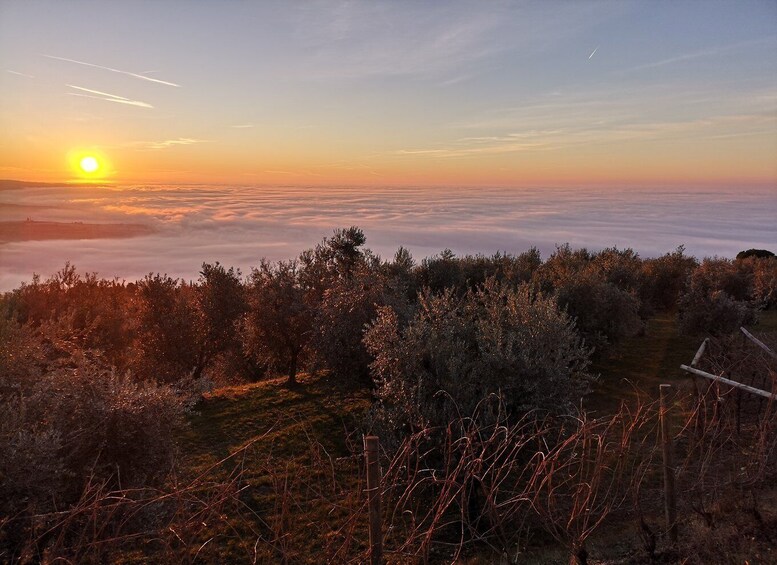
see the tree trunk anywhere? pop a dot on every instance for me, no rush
(579, 556)
(293, 370)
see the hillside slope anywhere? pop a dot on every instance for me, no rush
(298, 452)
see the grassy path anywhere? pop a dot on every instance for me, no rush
(644, 362)
(284, 424)
(641, 363)
(230, 417)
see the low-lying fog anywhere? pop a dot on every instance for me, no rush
(239, 225)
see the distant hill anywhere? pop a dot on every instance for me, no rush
(30, 230)
(10, 184)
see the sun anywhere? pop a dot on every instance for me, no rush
(89, 164)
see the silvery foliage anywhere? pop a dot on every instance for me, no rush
(456, 351)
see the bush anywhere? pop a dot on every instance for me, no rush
(604, 314)
(714, 313)
(95, 309)
(715, 301)
(76, 420)
(764, 273)
(620, 267)
(563, 265)
(493, 340)
(666, 278)
(600, 291)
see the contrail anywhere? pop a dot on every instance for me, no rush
(18, 73)
(135, 75)
(117, 100)
(97, 92)
(592, 53)
(107, 97)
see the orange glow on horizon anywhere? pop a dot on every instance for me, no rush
(603, 165)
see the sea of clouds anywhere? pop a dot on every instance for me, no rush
(239, 225)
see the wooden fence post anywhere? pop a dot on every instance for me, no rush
(699, 388)
(372, 452)
(670, 495)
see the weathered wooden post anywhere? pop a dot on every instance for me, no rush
(670, 495)
(738, 407)
(371, 452)
(701, 394)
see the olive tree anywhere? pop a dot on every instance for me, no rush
(279, 321)
(348, 306)
(220, 303)
(715, 299)
(494, 339)
(169, 335)
(345, 283)
(666, 278)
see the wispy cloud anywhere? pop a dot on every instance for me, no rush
(508, 144)
(99, 95)
(127, 73)
(605, 116)
(371, 39)
(242, 126)
(169, 143)
(447, 42)
(117, 100)
(299, 173)
(17, 73)
(422, 151)
(458, 79)
(591, 125)
(699, 54)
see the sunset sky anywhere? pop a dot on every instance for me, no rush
(405, 93)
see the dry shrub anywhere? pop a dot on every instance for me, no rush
(726, 462)
(729, 436)
(449, 488)
(308, 506)
(480, 484)
(170, 524)
(725, 478)
(69, 422)
(589, 472)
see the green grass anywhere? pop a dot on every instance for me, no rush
(285, 429)
(767, 322)
(642, 363)
(231, 417)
